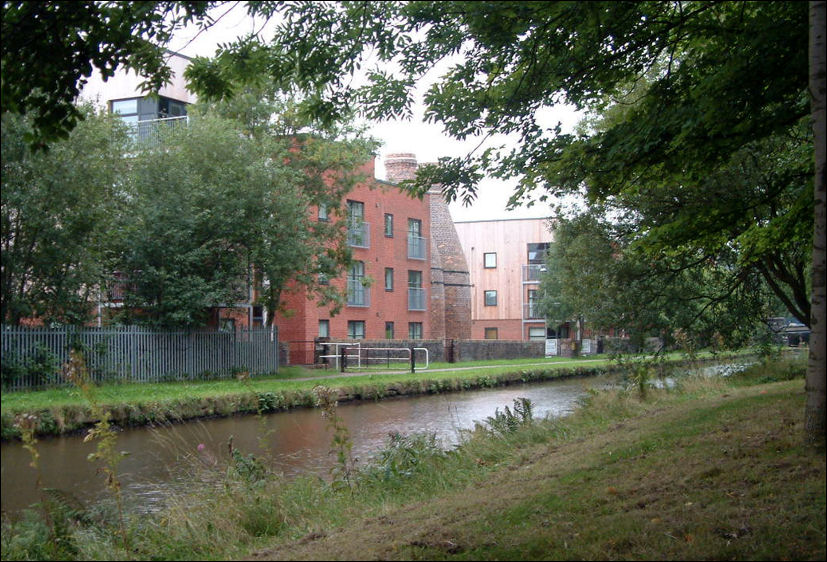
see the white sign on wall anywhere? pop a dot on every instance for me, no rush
(551, 348)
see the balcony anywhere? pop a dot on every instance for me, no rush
(357, 294)
(532, 273)
(358, 235)
(531, 311)
(149, 132)
(416, 298)
(416, 247)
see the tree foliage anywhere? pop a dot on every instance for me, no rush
(696, 90)
(596, 273)
(215, 209)
(58, 211)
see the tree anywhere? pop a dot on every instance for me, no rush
(815, 409)
(594, 271)
(214, 208)
(322, 161)
(58, 209)
(734, 74)
(49, 49)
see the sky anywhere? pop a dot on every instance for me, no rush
(426, 141)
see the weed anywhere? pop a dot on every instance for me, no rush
(341, 442)
(508, 421)
(103, 433)
(248, 467)
(404, 454)
(265, 402)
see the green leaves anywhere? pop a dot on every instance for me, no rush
(57, 212)
(49, 49)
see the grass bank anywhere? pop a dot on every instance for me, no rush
(65, 410)
(713, 468)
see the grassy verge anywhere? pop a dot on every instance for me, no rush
(713, 468)
(64, 410)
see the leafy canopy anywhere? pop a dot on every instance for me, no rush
(686, 94)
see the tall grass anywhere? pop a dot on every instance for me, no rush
(237, 505)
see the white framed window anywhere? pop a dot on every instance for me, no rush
(489, 260)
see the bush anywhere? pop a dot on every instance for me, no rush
(39, 365)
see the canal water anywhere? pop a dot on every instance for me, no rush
(296, 442)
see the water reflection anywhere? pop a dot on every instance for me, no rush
(296, 442)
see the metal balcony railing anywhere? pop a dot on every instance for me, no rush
(357, 293)
(358, 234)
(149, 132)
(416, 298)
(533, 272)
(416, 247)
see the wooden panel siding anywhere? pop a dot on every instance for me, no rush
(33, 357)
(508, 239)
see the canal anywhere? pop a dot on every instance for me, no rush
(296, 442)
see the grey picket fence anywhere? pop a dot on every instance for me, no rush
(34, 357)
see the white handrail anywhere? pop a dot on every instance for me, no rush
(358, 355)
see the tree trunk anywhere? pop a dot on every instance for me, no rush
(817, 367)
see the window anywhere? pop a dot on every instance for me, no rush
(356, 329)
(357, 228)
(226, 325)
(324, 328)
(416, 294)
(258, 316)
(537, 253)
(323, 216)
(143, 114)
(532, 307)
(490, 298)
(323, 279)
(357, 291)
(416, 243)
(389, 279)
(491, 334)
(537, 333)
(125, 107)
(388, 225)
(415, 330)
(389, 330)
(356, 211)
(489, 260)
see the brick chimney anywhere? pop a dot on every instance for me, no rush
(400, 167)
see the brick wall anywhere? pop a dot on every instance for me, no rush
(400, 167)
(456, 280)
(301, 322)
(474, 350)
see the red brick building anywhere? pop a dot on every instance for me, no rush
(387, 287)
(409, 280)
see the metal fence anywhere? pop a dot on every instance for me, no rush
(33, 357)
